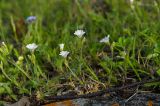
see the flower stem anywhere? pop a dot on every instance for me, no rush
(66, 64)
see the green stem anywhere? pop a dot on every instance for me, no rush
(21, 70)
(66, 64)
(81, 50)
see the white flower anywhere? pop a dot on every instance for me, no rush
(3, 43)
(64, 54)
(132, 4)
(79, 33)
(30, 19)
(61, 46)
(32, 46)
(131, 1)
(105, 39)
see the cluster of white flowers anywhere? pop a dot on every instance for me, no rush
(63, 53)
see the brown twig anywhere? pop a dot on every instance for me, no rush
(49, 99)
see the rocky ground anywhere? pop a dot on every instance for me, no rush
(137, 99)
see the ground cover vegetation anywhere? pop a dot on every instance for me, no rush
(53, 47)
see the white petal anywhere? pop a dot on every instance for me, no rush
(79, 33)
(3, 43)
(131, 1)
(64, 54)
(32, 46)
(105, 40)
